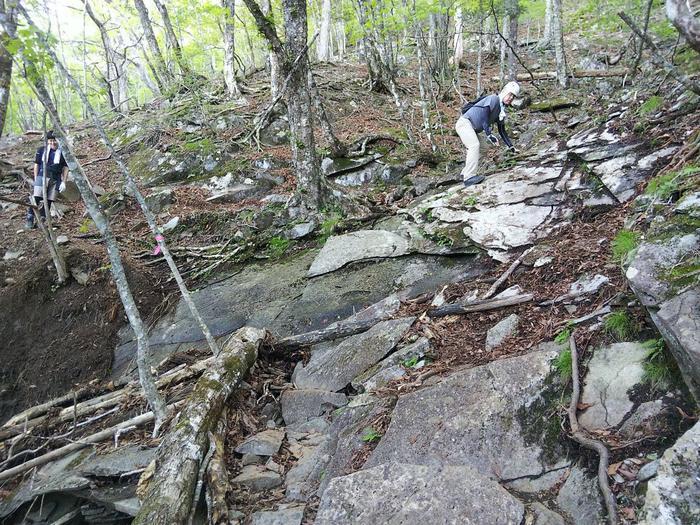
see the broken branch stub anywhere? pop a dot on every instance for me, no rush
(168, 494)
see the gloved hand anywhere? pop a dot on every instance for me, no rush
(492, 139)
(62, 187)
(513, 149)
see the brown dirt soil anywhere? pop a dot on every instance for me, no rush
(53, 338)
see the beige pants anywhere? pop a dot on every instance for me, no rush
(472, 142)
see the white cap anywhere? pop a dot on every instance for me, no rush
(511, 87)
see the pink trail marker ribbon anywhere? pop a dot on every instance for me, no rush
(159, 238)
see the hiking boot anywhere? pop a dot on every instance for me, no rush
(29, 225)
(476, 179)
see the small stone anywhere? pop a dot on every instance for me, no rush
(10, 256)
(257, 478)
(266, 443)
(274, 467)
(282, 516)
(62, 239)
(301, 230)
(542, 261)
(544, 516)
(80, 276)
(10, 280)
(301, 405)
(588, 285)
(648, 471)
(171, 224)
(252, 459)
(510, 292)
(502, 331)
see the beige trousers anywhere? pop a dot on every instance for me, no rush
(471, 141)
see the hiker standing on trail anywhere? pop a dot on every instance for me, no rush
(479, 116)
(57, 169)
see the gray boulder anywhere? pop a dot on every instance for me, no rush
(266, 443)
(334, 368)
(291, 515)
(491, 417)
(612, 372)
(257, 478)
(501, 331)
(673, 496)
(402, 493)
(299, 406)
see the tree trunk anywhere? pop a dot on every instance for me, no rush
(459, 38)
(512, 13)
(292, 57)
(548, 18)
(275, 80)
(160, 67)
(114, 76)
(687, 22)
(324, 37)
(171, 37)
(151, 394)
(337, 149)
(169, 493)
(230, 50)
(557, 33)
(132, 186)
(8, 24)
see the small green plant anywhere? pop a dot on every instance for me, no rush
(660, 369)
(470, 201)
(662, 186)
(85, 226)
(563, 365)
(369, 435)
(651, 105)
(563, 336)
(278, 246)
(621, 325)
(410, 363)
(623, 245)
(328, 226)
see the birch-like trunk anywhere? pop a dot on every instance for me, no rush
(547, 33)
(324, 37)
(92, 205)
(275, 78)
(686, 21)
(557, 33)
(159, 65)
(171, 37)
(512, 14)
(459, 38)
(133, 188)
(8, 25)
(340, 38)
(230, 49)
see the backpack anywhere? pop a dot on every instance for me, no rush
(471, 104)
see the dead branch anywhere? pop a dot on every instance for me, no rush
(479, 306)
(589, 443)
(576, 73)
(168, 496)
(659, 58)
(494, 287)
(340, 329)
(218, 486)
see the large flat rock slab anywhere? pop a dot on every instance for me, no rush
(673, 496)
(356, 246)
(400, 494)
(493, 418)
(337, 366)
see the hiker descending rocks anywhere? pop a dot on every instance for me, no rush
(57, 168)
(479, 116)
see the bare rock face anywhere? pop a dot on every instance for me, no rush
(403, 493)
(675, 311)
(266, 443)
(489, 417)
(673, 496)
(612, 372)
(504, 329)
(299, 406)
(334, 368)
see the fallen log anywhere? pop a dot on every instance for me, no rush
(168, 494)
(81, 443)
(479, 306)
(218, 486)
(339, 329)
(108, 400)
(551, 105)
(577, 73)
(494, 287)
